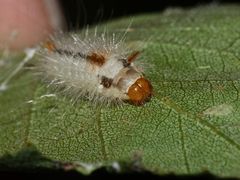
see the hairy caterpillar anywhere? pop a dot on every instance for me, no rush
(96, 68)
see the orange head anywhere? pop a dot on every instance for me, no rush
(140, 91)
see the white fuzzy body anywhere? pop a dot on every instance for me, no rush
(78, 77)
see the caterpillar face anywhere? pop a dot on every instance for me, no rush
(131, 82)
(140, 92)
(101, 71)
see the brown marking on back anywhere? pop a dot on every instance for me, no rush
(133, 56)
(96, 58)
(49, 45)
(106, 82)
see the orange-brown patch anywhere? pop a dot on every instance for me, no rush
(49, 45)
(133, 56)
(96, 58)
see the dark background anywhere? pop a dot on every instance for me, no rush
(78, 13)
(81, 12)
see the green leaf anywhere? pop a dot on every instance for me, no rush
(191, 125)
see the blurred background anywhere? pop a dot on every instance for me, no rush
(81, 12)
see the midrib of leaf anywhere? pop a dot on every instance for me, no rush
(183, 145)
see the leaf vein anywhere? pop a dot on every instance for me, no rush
(183, 145)
(171, 104)
(100, 134)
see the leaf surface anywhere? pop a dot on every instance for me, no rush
(191, 125)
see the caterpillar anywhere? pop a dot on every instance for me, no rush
(98, 68)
